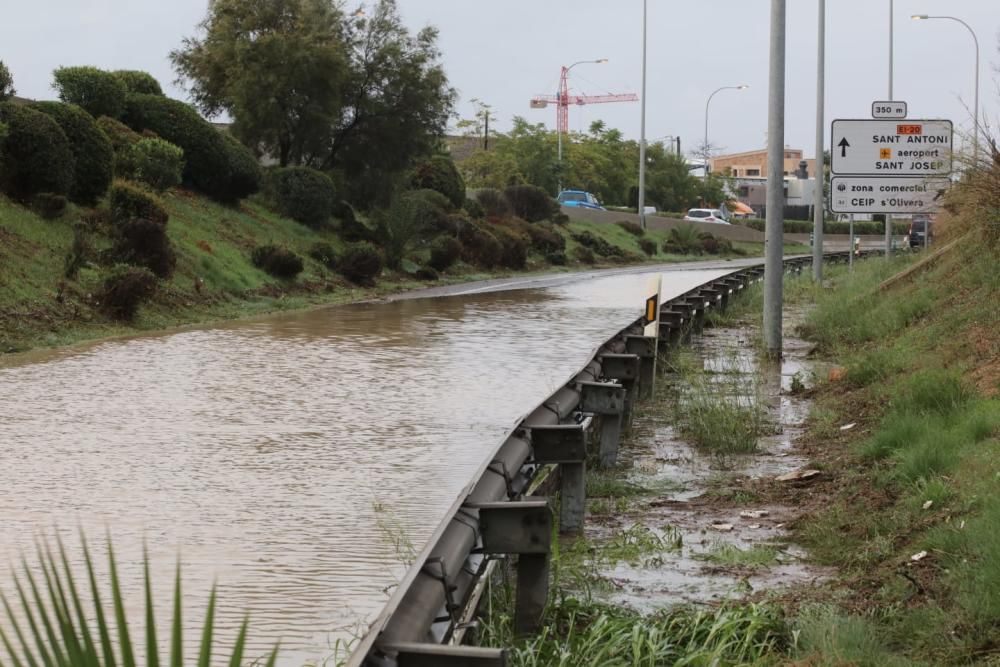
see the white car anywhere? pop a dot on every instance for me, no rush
(706, 215)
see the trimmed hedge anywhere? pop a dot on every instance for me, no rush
(155, 162)
(245, 172)
(137, 81)
(99, 93)
(445, 251)
(48, 205)
(440, 174)
(302, 194)
(514, 247)
(479, 245)
(93, 154)
(277, 261)
(531, 203)
(125, 289)
(648, 246)
(207, 156)
(861, 227)
(120, 134)
(493, 203)
(474, 209)
(144, 242)
(130, 201)
(36, 155)
(361, 263)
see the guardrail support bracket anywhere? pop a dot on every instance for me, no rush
(644, 347)
(567, 446)
(442, 655)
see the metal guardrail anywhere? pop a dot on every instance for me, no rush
(493, 516)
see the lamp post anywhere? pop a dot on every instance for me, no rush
(707, 103)
(819, 211)
(975, 114)
(599, 61)
(642, 128)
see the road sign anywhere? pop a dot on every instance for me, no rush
(899, 194)
(651, 314)
(891, 148)
(894, 110)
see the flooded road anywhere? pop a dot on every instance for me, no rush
(297, 461)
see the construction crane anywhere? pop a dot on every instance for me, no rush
(563, 99)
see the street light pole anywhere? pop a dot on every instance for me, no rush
(707, 103)
(975, 113)
(818, 208)
(559, 149)
(773, 230)
(642, 128)
(892, 30)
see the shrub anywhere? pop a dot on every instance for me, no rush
(353, 228)
(48, 205)
(36, 154)
(277, 261)
(440, 174)
(130, 201)
(631, 227)
(479, 245)
(93, 154)
(493, 203)
(557, 258)
(303, 194)
(157, 163)
(648, 246)
(513, 247)
(99, 93)
(361, 263)
(81, 251)
(584, 255)
(560, 218)
(121, 135)
(125, 289)
(244, 170)
(143, 242)
(445, 251)
(137, 81)
(545, 238)
(426, 273)
(683, 240)
(325, 254)
(531, 203)
(6, 83)
(474, 209)
(597, 244)
(430, 211)
(207, 156)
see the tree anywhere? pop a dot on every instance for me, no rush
(6, 83)
(397, 102)
(278, 67)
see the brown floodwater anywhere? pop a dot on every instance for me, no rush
(297, 461)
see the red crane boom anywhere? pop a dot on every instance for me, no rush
(563, 100)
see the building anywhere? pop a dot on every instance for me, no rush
(753, 164)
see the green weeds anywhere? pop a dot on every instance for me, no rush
(759, 555)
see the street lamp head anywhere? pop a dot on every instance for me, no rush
(743, 87)
(920, 17)
(600, 61)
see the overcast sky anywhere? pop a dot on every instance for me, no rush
(505, 52)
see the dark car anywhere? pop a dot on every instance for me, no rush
(921, 228)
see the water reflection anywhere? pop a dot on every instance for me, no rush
(291, 459)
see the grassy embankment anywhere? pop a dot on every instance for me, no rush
(215, 279)
(907, 509)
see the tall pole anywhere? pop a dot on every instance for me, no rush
(773, 231)
(850, 261)
(642, 128)
(892, 26)
(818, 208)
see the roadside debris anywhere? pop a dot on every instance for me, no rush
(798, 476)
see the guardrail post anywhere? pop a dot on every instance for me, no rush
(523, 528)
(645, 348)
(607, 400)
(440, 655)
(624, 369)
(567, 446)
(672, 326)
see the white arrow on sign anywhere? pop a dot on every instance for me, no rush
(891, 148)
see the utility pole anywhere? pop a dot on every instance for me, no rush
(486, 133)
(774, 232)
(642, 128)
(818, 208)
(892, 30)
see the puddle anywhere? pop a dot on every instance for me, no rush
(733, 545)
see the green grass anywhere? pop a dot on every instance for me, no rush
(723, 415)
(757, 556)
